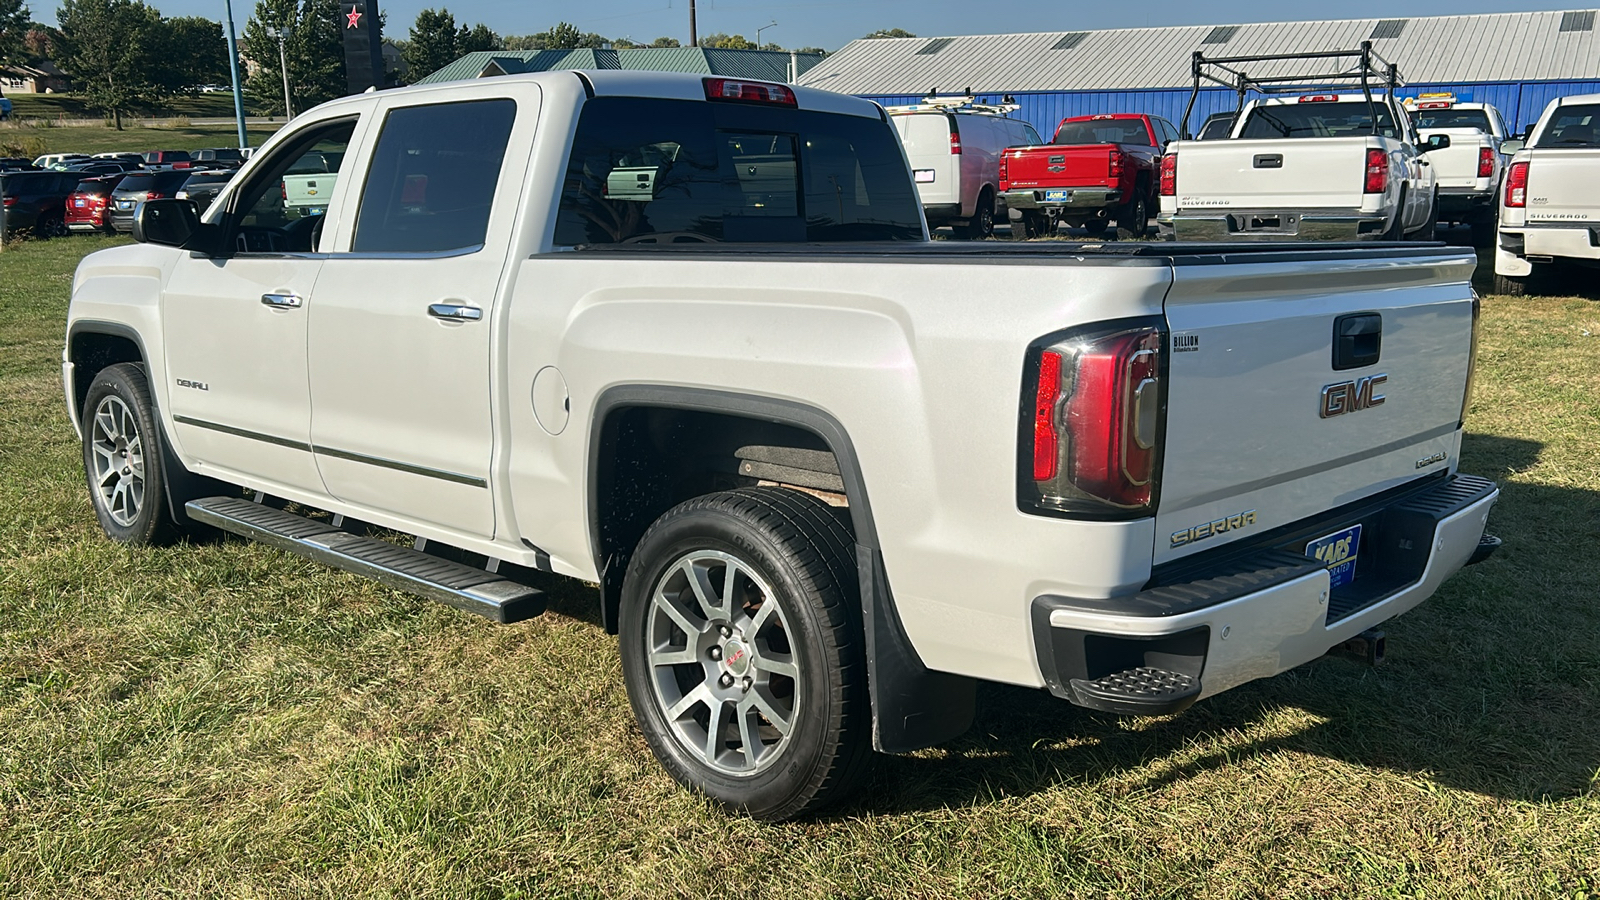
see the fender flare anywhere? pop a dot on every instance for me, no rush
(913, 707)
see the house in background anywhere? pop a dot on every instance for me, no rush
(41, 77)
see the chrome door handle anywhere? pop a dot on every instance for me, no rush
(281, 301)
(457, 312)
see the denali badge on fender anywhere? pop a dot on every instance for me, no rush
(1350, 396)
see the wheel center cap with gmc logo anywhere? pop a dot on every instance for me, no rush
(736, 657)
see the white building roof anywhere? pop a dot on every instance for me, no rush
(1520, 46)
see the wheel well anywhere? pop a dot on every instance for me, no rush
(651, 458)
(91, 351)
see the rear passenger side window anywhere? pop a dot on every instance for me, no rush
(432, 180)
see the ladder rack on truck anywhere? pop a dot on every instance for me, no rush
(1368, 68)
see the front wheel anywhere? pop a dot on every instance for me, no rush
(743, 654)
(122, 457)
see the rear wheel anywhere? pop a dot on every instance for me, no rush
(50, 225)
(743, 653)
(981, 225)
(1134, 217)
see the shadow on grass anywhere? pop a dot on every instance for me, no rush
(1492, 686)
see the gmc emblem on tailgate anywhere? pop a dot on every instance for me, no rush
(1351, 396)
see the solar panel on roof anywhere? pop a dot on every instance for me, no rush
(1220, 34)
(1068, 41)
(1578, 20)
(934, 46)
(1388, 28)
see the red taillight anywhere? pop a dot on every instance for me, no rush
(154, 195)
(183, 165)
(1320, 98)
(1005, 174)
(955, 142)
(1169, 175)
(1485, 162)
(9, 201)
(1115, 168)
(1377, 172)
(1517, 185)
(749, 91)
(1096, 450)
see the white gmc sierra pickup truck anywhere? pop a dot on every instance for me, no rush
(1468, 171)
(688, 338)
(1550, 205)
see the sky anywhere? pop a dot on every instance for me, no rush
(833, 23)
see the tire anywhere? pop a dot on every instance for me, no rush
(686, 660)
(1511, 285)
(1133, 219)
(50, 226)
(981, 225)
(1397, 228)
(122, 455)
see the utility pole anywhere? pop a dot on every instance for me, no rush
(283, 60)
(238, 89)
(771, 24)
(694, 38)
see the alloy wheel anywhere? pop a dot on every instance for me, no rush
(118, 460)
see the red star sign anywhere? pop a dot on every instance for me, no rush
(353, 18)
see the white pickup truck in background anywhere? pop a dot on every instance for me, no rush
(1550, 205)
(1315, 165)
(688, 338)
(1468, 171)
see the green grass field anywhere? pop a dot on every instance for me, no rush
(227, 719)
(32, 139)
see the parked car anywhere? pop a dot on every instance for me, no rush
(89, 207)
(59, 160)
(1550, 205)
(134, 160)
(17, 164)
(164, 160)
(1217, 127)
(309, 183)
(203, 187)
(954, 144)
(1095, 169)
(98, 167)
(137, 187)
(218, 158)
(672, 333)
(1469, 170)
(1318, 166)
(36, 201)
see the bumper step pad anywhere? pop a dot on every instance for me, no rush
(1140, 691)
(462, 586)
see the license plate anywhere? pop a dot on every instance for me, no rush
(78, 203)
(1337, 551)
(1063, 196)
(124, 204)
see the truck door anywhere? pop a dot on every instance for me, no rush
(235, 329)
(401, 319)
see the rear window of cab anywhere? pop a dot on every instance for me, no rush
(649, 171)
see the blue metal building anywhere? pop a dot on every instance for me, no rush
(1516, 61)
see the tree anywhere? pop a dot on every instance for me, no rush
(889, 33)
(477, 39)
(14, 27)
(665, 42)
(40, 42)
(562, 36)
(432, 43)
(721, 41)
(111, 48)
(195, 53)
(315, 51)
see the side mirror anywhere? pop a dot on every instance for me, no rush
(1512, 146)
(168, 222)
(1436, 142)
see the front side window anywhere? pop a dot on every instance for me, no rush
(276, 211)
(433, 177)
(671, 171)
(1573, 126)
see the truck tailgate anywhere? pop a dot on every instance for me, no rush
(1562, 186)
(1262, 430)
(1457, 164)
(1301, 173)
(1076, 165)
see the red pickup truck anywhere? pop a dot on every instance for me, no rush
(1097, 168)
